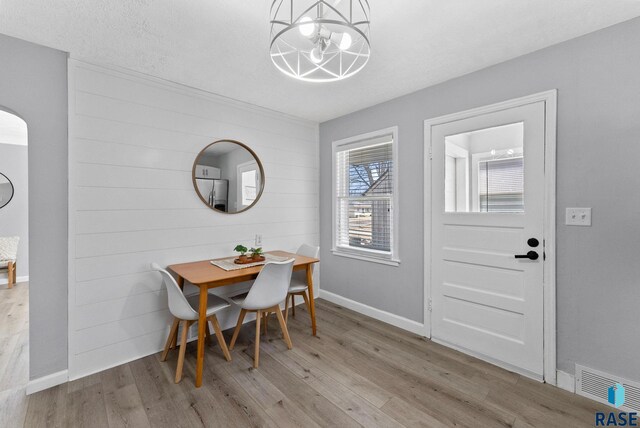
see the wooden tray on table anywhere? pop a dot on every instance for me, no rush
(249, 260)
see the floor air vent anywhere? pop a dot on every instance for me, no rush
(595, 384)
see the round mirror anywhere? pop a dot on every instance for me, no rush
(228, 176)
(6, 190)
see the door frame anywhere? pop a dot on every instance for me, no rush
(549, 235)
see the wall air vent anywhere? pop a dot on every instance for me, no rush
(595, 384)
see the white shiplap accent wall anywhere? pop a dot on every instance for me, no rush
(132, 142)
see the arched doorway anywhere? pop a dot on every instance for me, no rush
(14, 251)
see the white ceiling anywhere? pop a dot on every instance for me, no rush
(222, 45)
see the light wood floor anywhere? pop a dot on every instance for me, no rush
(14, 353)
(357, 371)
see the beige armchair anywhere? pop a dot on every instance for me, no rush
(9, 256)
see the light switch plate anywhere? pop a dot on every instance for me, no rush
(578, 217)
(258, 240)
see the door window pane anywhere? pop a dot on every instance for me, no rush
(249, 187)
(484, 170)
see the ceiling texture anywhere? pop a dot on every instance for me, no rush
(222, 46)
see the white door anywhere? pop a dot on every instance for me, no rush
(487, 236)
(248, 179)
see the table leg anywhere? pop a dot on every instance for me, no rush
(202, 326)
(312, 304)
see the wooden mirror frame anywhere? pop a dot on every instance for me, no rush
(255, 156)
(13, 190)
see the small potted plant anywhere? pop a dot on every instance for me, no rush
(243, 253)
(256, 254)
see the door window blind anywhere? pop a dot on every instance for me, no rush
(501, 185)
(364, 193)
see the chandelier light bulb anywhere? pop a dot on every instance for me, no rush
(345, 42)
(307, 30)
(342, 40)
(316, 55)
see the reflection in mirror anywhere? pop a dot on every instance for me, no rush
(6, 190)
(228, 176)
(484, 170)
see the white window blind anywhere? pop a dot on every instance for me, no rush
(501, 185)
(364, 185)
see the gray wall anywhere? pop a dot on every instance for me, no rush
(598, 280)
(33, 84)
(14, 217)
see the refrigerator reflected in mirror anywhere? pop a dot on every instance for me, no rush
(215, 192)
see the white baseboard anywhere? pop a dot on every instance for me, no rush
(46, 382)
(566, 381)
(4, 281)
(384, 316)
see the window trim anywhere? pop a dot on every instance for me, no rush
(362, 140)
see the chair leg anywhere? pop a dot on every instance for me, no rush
(286, 309)
(283, 327)
(11, 274)
(172, 335)
(183, 349)
(207, 337)
(237, 330)
(174, 342)
(293, 305)
(256, 352)
(265, 315)
(306, 301)
(221, 341)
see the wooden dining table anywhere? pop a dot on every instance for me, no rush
(205, 275)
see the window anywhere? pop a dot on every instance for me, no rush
(501, 185)
(365, 195)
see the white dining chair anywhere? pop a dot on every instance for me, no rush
(267, 292)
(185, 311)
(299, 286)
